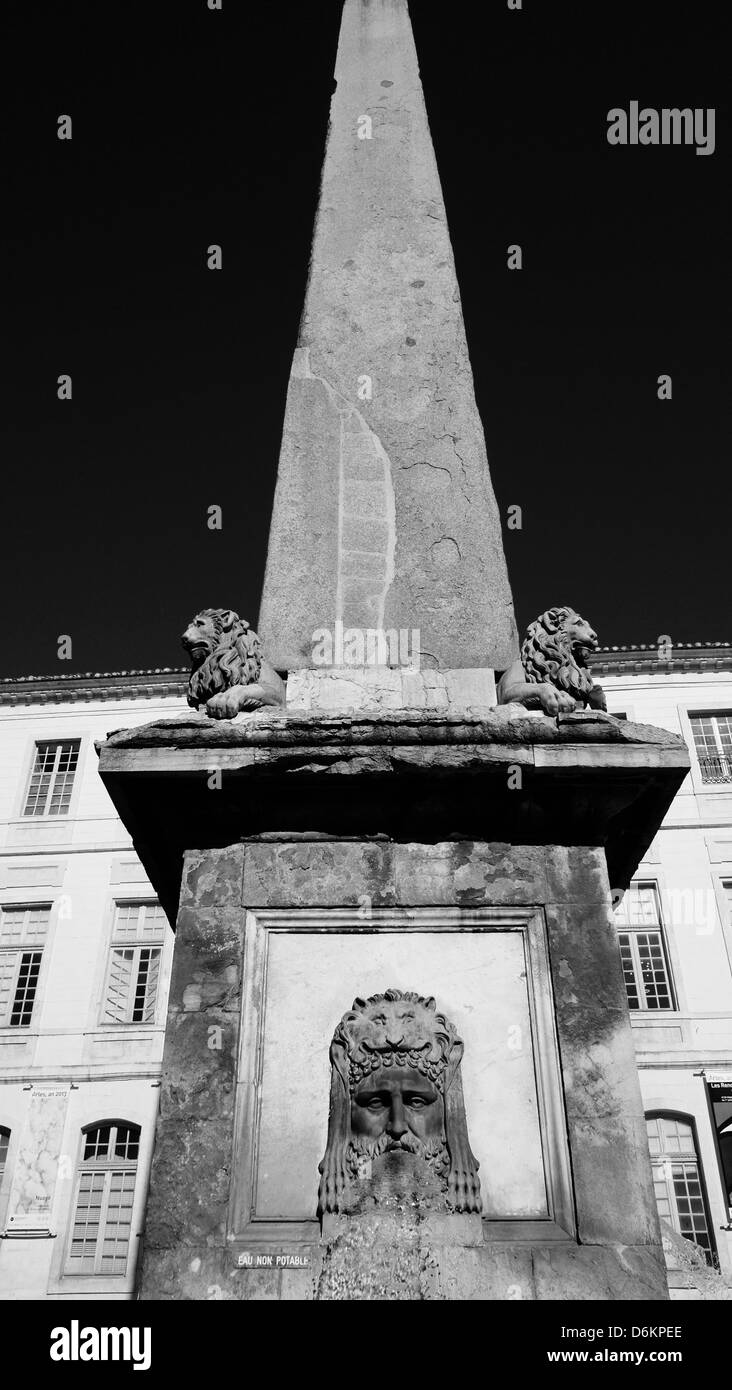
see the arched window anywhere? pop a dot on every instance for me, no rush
(677, 1179)
(105, 1188)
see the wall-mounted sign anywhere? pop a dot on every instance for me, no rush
(34, 1182)
(719, 1090)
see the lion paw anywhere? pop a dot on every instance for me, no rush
(555, 701)
(333, 1184)
(225, 705)
(463, 1189)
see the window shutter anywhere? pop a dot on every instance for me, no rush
(119, 985)
(151, 987)
(7, 973)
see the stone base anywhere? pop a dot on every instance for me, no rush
(374, 689)
(244, 1103)
(469, 858)
(500, 1272)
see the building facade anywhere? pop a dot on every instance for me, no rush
(85, 957)
(675, 931)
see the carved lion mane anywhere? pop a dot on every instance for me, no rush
(427, 1045)
(554, 649)
(234, 655)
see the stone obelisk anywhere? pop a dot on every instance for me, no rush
(384, 514)
(473, 1128)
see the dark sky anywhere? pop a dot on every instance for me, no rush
(192, 127)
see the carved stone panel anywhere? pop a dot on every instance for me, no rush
(494, 994)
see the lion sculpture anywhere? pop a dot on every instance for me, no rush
(552, 673)
(229, 674)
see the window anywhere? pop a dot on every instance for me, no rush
(100, 1235)
(713, 743)
(677, 1180)
(22, 935)
(643, 949)
(134, 963)
(52, 778)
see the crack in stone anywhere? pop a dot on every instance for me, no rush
(461, 461)
(452, 541)
(423, 463)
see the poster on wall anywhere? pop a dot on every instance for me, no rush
(720, 1100)
(34, 1187)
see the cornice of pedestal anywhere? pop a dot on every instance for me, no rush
(500, 775)
(509, 725)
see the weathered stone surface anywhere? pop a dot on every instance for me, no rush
(194, 1272)
(376, 689)
(375, 1261)
(600, 1273)
(613, 1188)
(574, 876)
(510, 725)
(210, 881)
(186, 1086)
(276, 875)
(461, 873)
(422, 776)
(497, 1272)
(391, 483)
(189, 1185)
(189, 1202)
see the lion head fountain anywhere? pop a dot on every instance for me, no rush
(396, 1094)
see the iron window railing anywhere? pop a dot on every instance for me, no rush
(717, 769)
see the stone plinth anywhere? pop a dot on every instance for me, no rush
(216, 1181)
(384, 513)
(447, 874)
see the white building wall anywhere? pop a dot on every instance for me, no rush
(69, 1067)
(690, 860)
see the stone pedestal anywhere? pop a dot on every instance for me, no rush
(471, 860)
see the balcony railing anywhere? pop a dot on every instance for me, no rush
(716, 769)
